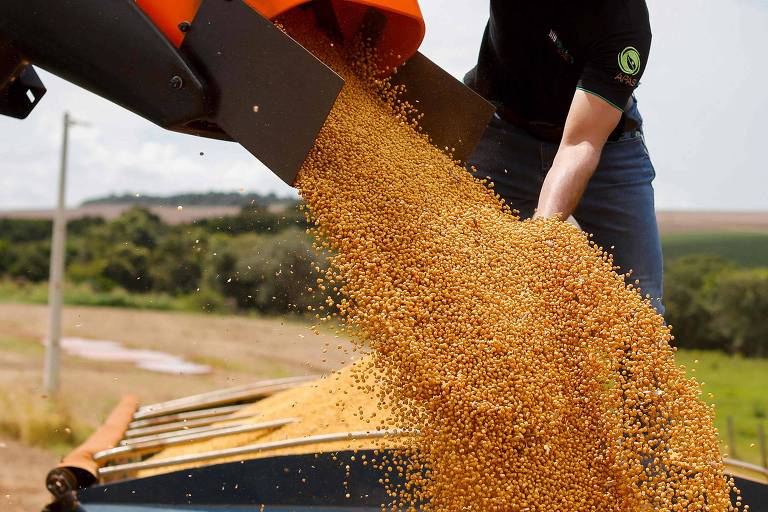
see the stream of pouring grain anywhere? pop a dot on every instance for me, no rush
(537, 379)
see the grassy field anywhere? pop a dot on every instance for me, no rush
(739, 386)
(746, 249)
(739, 389)
(81, 294)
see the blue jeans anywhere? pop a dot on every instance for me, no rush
(617, 207)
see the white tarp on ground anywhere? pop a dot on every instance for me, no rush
(152, 360)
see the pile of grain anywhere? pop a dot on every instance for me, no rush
(330, 405)
(537, 379)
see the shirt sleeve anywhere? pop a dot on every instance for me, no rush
(617, 59)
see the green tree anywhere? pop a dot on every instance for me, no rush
(738, 303)
(128, 267)
(25, 230)
(253, 219)
(137, 226)
(30, 260)
(685, 281)
(117, 253)
(177, 264)
(270, 273)
(6, 256)
(77, 227)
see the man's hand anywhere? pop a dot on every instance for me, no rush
(590, 122)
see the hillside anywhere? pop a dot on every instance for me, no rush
(195, 206)
(208, 205)
(195, 199)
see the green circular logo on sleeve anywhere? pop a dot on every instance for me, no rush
(629, 60)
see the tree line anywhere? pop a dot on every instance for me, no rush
(714, 304)
(264, 261)
(255, 260)
(197, 199)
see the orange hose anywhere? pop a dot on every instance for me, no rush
(107, 436)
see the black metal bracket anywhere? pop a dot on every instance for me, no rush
(63, 484)
(20, 87)
(236, 76)
(110, 48)
(269, 93)
(455, 116)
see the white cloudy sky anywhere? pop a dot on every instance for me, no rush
(703, 98)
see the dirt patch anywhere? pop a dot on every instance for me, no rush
(240, 350)
(22, 485)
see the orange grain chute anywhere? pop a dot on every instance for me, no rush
(400, 38)
(402, 34)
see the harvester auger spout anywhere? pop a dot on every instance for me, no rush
(222, 69)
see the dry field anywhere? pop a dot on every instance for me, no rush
(239, 349)
(169, 215)
(669, 221)
(691, 222)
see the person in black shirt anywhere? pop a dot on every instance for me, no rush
(567, 137)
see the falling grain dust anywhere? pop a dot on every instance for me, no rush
(536, 379)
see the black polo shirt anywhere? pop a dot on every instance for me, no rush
(535, 54)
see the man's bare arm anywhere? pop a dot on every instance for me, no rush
(590, 122)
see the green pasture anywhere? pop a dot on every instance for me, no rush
(739, 388)
(82, 294)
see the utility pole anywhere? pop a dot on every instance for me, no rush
(56, 274)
